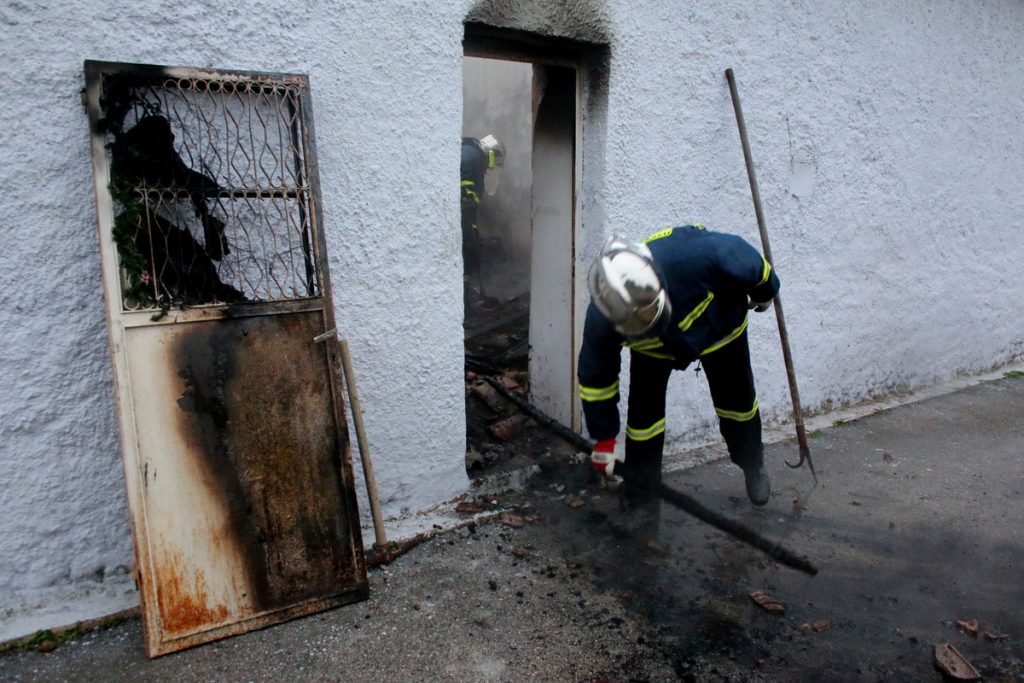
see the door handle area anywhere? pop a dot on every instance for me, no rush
(329, 334)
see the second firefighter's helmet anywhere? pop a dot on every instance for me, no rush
(626, 288)
(494, 150)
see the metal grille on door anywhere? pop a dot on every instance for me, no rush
(209, 175)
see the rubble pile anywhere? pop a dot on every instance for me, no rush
(497, 345)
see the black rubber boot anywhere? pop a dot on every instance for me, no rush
(747, 451)
(641, 471)
(759, 485)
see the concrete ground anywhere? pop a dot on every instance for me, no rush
(916, 523)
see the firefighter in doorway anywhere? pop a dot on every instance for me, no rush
(479, 156)
(682, 295)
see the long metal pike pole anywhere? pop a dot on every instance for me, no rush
(787, 356)
(680, 500)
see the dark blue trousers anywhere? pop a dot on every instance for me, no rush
(731, 382)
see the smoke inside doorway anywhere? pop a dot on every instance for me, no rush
(498, 97)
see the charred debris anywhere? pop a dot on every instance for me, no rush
(498, 435)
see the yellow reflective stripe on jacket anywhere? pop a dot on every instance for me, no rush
(666, 232)
(490, 158)
(469, 190)
(686, 322)
(658, 235)
(599, 394)
(646, 434)
(735, 415)
(652, 354)
(728, 338)
(767, 272)
(646, 346)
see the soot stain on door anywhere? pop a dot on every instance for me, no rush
(207, 362)
(268, 439)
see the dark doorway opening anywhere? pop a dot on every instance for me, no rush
(518, 248)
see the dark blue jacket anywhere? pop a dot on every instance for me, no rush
(708, 277)
(473, 167)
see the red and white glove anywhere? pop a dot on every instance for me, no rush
(605, 455)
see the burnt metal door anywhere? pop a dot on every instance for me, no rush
(236, 451)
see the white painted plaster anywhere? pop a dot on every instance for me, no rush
(552, 380)
(898, 243)
(898, 257)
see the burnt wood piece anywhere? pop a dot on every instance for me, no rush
(680, 500)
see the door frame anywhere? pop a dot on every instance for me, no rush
(489, 42)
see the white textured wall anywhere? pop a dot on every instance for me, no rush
(887, 141)
(387, 99)
(888, 146)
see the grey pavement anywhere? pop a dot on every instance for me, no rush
(916, 523)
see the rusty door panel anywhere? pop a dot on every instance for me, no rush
(242, 466)
(237, 456)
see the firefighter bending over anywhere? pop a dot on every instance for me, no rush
(681, 296)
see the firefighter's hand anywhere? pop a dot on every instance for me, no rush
(759, 307)
(604, 456)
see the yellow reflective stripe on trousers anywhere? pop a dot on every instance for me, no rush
(599, 394)
(739, 417)
(646, 434)
(686, 322)
(728, 338)
(766, 272)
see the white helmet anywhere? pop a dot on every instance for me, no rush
(494, 150)
(626, 288)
